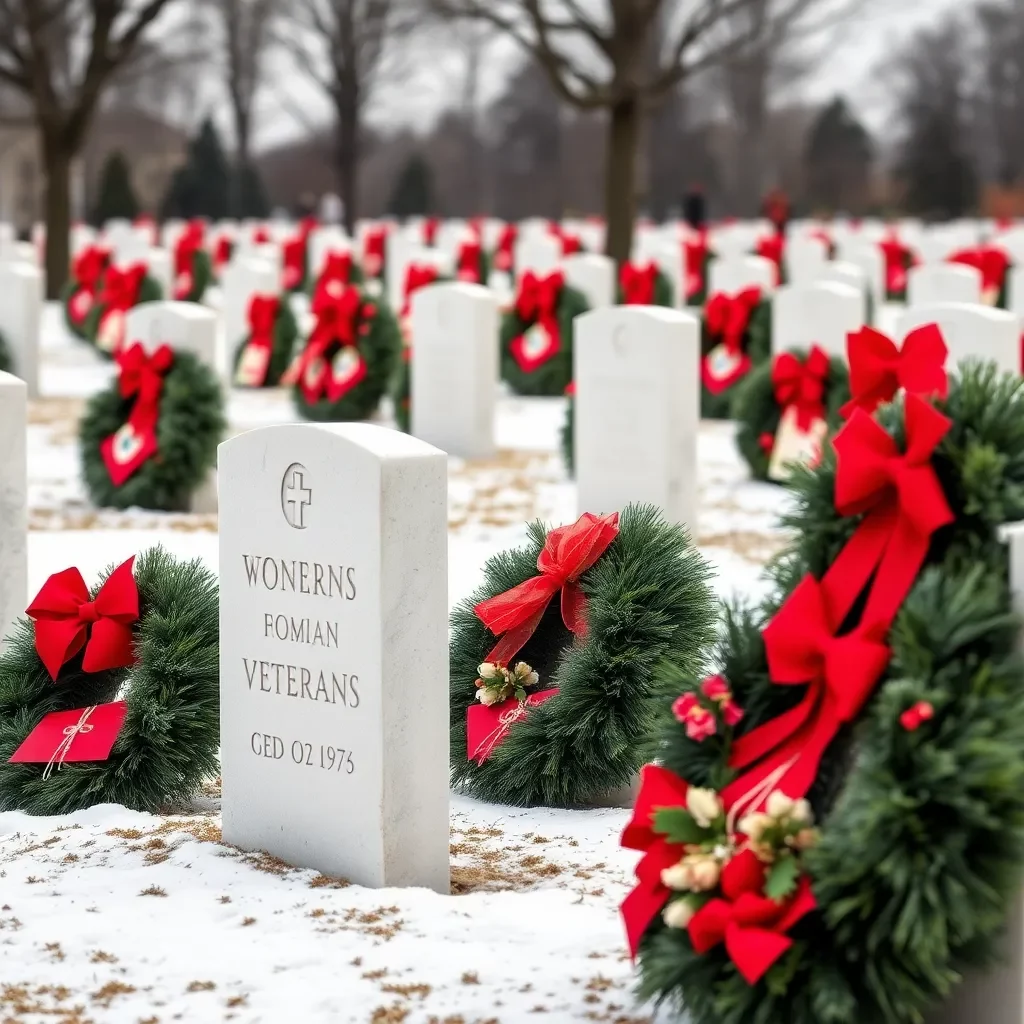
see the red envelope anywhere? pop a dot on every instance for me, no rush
(84, 734)
(126, 451)
(487, 727)
(534, 347)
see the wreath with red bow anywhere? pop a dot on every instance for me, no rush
(348, 359)
(374, 262)
(112, 695)
(836, 827)
(150, 439)
(644, 284)
(785, 408)
(79, 293)
(193, 271)
(568, 433)
(994, 265)
(696, 259)
(295, 257)
(120, 289)
(899, 258)
(736, 336)
(471, 263)
(266, 351)
(339, 271)
(503, 258)
(552, 697)
(536, 334)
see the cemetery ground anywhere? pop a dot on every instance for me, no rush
(114, 916)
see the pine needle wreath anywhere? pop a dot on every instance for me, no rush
(644, 285)
(647, 598)
(191, 425)
(546, 374)
(168, 743)
(758, 412)
(401, 390)
(755, 345)
(6, 363)
(259, 371)
(79, 293)
(191, 284)
(921, 800)
(568, 433)
(375, 350)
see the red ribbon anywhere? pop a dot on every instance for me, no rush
(89, 265)
(121, 287)
(772, 248)
(752, 926)
(336, 323)
(417, 276)
(66, 620)
(695, 253)
(878, 369)
(638, 281)
(262, 316)
(659, 788)
(904, 505)
(293, 257)
(568, 553)
(430, 226)
(898, 258)
(337, 270)
(261, 236)
(504, 254)
(990, 260)
(189, 243)
(801, 384)
(468, 263)
(373, 251)
(728, 316)
(222, 251)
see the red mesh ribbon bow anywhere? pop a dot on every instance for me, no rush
(505, 252)
(728, 316)
(293, 258)
(262, 315)
(772, 247)
(89, 266)
(141, 375)
(189, 243)
(568, 553)
(801, 384)
(417, 276)
(337, 322)
(537, 304)
(752, 926)
(121, 286)
(637, 281)
(695, 252)
(990, 260)
(66, 620)
(468, 263)
(373, 251)
(878, 369)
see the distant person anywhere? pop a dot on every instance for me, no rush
(695, 208)
(775, 208)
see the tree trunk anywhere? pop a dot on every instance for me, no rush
(57, 162)
(347, 156)
(241, 162)
(620, 177)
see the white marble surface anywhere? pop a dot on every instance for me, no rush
(13, 501)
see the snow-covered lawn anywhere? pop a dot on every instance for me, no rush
(119, 917)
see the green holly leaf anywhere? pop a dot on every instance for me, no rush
(520, 694)
(678, 826)
(782, 879)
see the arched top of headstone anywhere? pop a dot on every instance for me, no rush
(971, 331)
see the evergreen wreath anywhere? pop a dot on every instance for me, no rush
(919, 795)
(471, 263)
(120, 290)
(265, 353)
(568, 433)
(6, 362)
(809, 386)
(635, 591)
(157, 652)
(736, 336)
(193, 270)
(644, 284)
(994, 265)
(150, 439)
(348, 359)
(898, 260)
(79, 294)
(537, 335)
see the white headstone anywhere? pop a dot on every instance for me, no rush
(13, 502)
(733, 275)
(943, 282)
(397, 257)
(593, 275)
(637, 410)
(816, 314)
(670, 260)
(240, 281)
(160, 267)
(868, 257)
(455, 368)
(837, 272)
(804, 257)
(971, 332)
(541, 253)
(21, 305)
(333, 594)
(125, 242)
(322, 242)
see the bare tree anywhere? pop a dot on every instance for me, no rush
(61, 54)
(1001, 88)
(600, 56)
(342, 45)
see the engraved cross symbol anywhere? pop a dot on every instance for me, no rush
(295, 496)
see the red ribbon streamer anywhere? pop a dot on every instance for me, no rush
(189, 243)
(468, 262)
(293, 259)
(728, 316)
(772, 248)
(504, 254)
(67, 620)
(695, 253)
(638, 281)
(568, 552)
(801, 384)
(878, 369)
(373, 251)
(430, 226)
(417, 276)
(262, 316)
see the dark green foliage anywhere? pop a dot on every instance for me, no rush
(191, 426)
(413, 194)
(249, 199)
(202, 277)
(837, 160)
(923, 831)
(168, 743)
(662, 292)
(568, 436)
(757, 343)
(149, 292)
(286, 333)
(381, 348)
(202, 186)
(757, 413)
(116, 197)
(553, 376)
(648, 600)
(5, 356)
(401, 391)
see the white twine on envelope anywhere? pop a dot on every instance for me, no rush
(64, 747)
(757, 794)
(505, 722)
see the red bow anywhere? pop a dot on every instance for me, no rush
(190, 242)
(89, 266)
(695, 252)
(537, 301)
(468, 267)
(337, 269)
(417, 276)
(897, 259)
(637, 282)
(801, 384)
(337, 323)
(772, 248)
(728, 316)
(878, 369)
(293, 257)
(261, 236)
(752, 926)
(66, 620)
(121, 286)
(659, 788)
(263, 310)
(430, 226)
(505, 252)
(568, 553)
(373, 251)
(222, 250)
(990, 260)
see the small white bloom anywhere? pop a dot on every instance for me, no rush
(753, 826)
(677, 914)
(677, 877)
(706, 873)
(802, 813)
(704, 805)
(779, 805)
(487, 670)
(487, 696)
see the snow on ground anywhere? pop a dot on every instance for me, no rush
(114, 917)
